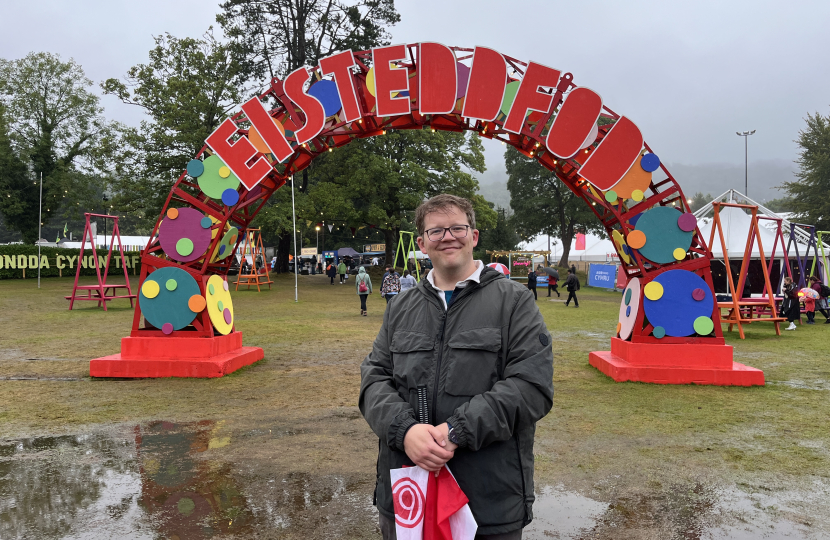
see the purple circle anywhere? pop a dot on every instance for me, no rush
(698, 294)
(687, 222)
(227, 315)
(463, 75)
(650, 162)
(628, 311)
(167, 328)
(188, 224)
(230, 197)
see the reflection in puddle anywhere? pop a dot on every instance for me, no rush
(562, 514)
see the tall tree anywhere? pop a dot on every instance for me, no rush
(809, 192)
(378, 182)
(699, 200)
(188, 87)
(279, 36)
(544, 205)
(501, 237)
(53, 125)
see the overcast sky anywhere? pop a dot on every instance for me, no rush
(689, 74)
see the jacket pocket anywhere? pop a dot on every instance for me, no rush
(411, 357)
(472, 368)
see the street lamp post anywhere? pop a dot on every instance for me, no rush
(745, 135)
(317, 247)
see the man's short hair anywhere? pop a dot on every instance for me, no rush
(441, 203)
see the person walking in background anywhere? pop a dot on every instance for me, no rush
(363, 285)
(531, 282)
(572, 284)
(407, 281)
(790, 308)
(823, 292)
(391, 284)
(341, 269)
(331, 271)
(553, 286)
(313, 264)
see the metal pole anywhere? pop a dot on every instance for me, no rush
(39, 220)
(294, 219)
(746, 166)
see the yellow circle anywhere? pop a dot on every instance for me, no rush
(654, 291)
(679, 254)
(217, 316)
(150, 289)
(619, 242)
(224, 171)
(370, 81)
(637, 195)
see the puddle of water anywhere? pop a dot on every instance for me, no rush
(159, 481)
(558, 513)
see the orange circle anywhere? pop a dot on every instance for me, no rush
(636, 239)
(196, 303)
(619, 327)
(173, 213)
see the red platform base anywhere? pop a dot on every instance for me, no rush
(176, 357)
(686, 363)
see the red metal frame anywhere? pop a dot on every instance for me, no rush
(103, 286)
(336, 133)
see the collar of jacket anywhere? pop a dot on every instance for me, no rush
(488, 275)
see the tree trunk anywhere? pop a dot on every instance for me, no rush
(567, 238)
(389, 238)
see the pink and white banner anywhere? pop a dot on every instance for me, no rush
(430, 508)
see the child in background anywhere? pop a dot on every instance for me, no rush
(810, 309)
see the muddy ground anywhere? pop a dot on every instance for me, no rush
(279, 450)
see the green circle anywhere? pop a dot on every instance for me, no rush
(627, 297)
(659, 332)
(704, 325)
(211, 183)
(171, 284)
(186, 506)
(184, 247)
(509, 96)
(611, 196)
(221, 306)
(210, 289)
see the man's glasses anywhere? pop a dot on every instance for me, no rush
(456, 231)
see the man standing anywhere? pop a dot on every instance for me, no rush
(341, 269)
(459, 374)
(572, 284)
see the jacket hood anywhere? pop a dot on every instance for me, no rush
(361, 271)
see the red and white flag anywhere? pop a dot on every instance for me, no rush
(430, 508)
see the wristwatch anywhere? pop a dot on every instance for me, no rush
(451, 434)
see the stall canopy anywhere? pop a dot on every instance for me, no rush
(347, 252)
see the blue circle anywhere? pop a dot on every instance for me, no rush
(222, 249)
(206, 222)
(676, 310)
(326, 93)
(650, 162)
(170, 306)
(195, 168)
(628, 311)
(634, 219)
(230, 197)
(663, 235)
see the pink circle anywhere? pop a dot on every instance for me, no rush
(225, 285)
(188, 225)
(687, 222)
(227, 315)
(167, 328)
(698, 294)
(463, 74)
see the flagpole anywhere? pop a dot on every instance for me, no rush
(294, 219)
(39, 219)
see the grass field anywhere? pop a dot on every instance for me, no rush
(661, 457)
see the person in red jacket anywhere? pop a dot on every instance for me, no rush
(821, 304)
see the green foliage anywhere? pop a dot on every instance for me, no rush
(10, 254)
(781, 204)
(501, 237)
(809, 193)
(188, 87)
(51, 125)
(544, 205)
(699, 200)
(282, 35)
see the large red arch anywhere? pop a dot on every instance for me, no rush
(550, 119)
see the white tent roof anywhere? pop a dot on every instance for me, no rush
(736, 223)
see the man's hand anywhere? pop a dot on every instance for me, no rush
(445, 429)
(423, 445)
